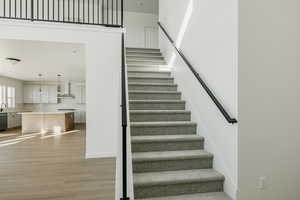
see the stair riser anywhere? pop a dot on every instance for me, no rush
(145, 74)
(150, 80)
(167, 146)
(172, 88)
(157, 106)
(145, 62)
(171, 165)
(155, 58)
(132, 53)
(152, 117)
(162, 130)
(148, 67)
(159, 96)
(142, 50)
(177, 189)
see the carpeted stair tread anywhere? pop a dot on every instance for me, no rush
(170, 155)
(198, 196)
(176, 177)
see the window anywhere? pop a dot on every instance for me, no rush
(2, 94)
(11, 97)
(8, 96)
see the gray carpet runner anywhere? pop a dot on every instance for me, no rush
(169, 160)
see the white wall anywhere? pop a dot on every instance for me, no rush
(19, 90)
(103, 58)
(206, 32)
(103, 67)
(135, 24)
(269, 97)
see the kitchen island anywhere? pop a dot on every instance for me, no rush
(47, 122)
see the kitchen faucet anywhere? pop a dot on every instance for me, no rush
(1, 107)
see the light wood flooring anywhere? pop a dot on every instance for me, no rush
(48, 167)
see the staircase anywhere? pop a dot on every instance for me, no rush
(169, 160)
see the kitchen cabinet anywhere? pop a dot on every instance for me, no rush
(36, 94)
(27, 94)
(33, 95)
(79, 92)
(45, 94)
(80, 117)
(13, 120)
(52, 94)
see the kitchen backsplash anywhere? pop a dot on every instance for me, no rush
(65, 104)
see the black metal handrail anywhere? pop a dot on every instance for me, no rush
(196, 74)
(92, 12)
(124, 123)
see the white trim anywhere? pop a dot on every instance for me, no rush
(100, 155)
(56, 25)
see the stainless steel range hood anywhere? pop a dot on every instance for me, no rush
(67, 92)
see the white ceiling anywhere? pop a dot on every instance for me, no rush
(145, 6)
(46, 58)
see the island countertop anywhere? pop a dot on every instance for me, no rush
(47, 122)
(46, 113)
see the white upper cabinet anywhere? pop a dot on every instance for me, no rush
(13, 120)
(44, 94)
(27, 94)
(79, 92)
(52, 94)
(36, 94)
(32, 94)
(80, 117)
(83, 91)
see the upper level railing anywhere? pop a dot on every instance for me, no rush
(228, 118)
(92, 12)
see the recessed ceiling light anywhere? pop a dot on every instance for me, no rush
(140, 3)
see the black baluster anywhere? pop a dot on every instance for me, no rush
(83, 13)
(9, 8)
(107, 13)
(43, 11)
(112, 11)
(102, 13)
(26, 9)
(58, 13)
(32, 10)
(78, 10)
(98, 11)
(68, 11)
(4, 2)
(21, 9)
(48, 5)
(117, 10)
(93, 11)
(122, 13)
(53, 6)
(37, 9)
(63, 10)
(73, 10)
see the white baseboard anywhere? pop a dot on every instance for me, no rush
(100, 155)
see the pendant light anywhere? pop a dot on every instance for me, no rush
(40, 80)
(58, 84)
(13, 61)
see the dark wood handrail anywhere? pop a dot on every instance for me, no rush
(196, 74)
